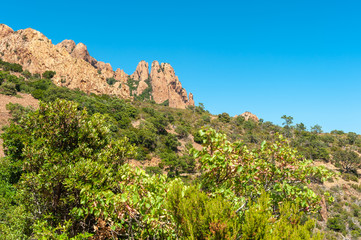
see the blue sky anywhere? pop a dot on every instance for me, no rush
(299, 58)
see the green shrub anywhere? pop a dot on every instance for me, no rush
(111, 81)
(49, 74)
(198, 216)
(8, 88)
(224, 117)
(27, 74)
(349, 177)
(153, 170)
(336, 224)
(348, 161)
(11, 66)
(165, 103)
(182, 131)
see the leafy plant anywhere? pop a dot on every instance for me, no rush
(273, 167)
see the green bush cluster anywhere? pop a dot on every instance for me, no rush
(14, 67)
(65, 176)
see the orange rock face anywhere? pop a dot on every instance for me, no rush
(75, 68)
(166, 86)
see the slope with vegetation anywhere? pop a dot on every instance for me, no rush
(66, 172)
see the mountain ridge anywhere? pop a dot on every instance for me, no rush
(76, 68)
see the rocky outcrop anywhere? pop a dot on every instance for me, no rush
(75, 68)
(249, 115)
(5, 30)
(166, 86)
(141, 74)
(120, 76)
(79, 51)
(105, 69)
(69, 45)
(37, 54)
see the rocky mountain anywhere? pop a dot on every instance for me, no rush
(76, 68)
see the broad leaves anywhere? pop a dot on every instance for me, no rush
(241, 173)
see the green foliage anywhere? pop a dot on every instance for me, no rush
(26, 74)
(133, 85)
(288, 120)
(260, 223)
(182, 131)
(273, 167)
(147, 93)
(17, 111)
(165, 103)
(108, 200)
(349, 161)
(336, 224)
(14, 220)
(111, 81)
(8, 88)
(48, 74)
(198, 216)
(14, 67)
(153, 170)
(224, 117)
(59, 148)
(316, 129)
(197, 137)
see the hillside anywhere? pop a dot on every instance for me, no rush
(80, 174)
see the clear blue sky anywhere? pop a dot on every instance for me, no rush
(300, 58)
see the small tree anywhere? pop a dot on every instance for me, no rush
(224, 117)
(316, 129)
(288, 121)
(349, 161)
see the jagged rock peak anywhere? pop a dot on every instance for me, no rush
(120, 75)
(79, 51)
(166, 86)
(191, 100)
(249, 115)
(141, 72)
(75, 68)
(5, 30)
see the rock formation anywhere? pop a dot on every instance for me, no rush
(5, 30)
(120, 75)
(79, 51)
(166, 86)
(141, 74)
(249, 115)
(75, 68)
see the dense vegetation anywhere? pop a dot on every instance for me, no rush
(66, 172)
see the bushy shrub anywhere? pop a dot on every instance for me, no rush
(48, 74)
(11, 66)
(8, 88)
(348, 161)
(182, 131)
(111, 81)
(224, 117)
(336, 224)
(198, 216)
